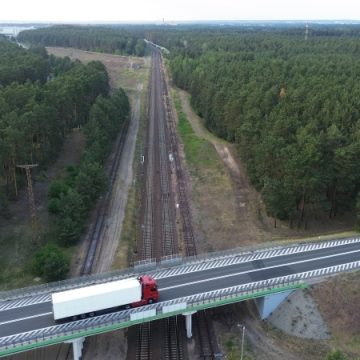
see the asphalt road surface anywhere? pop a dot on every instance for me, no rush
(38, 316)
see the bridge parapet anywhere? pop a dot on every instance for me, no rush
(109, 322)
(41, 293)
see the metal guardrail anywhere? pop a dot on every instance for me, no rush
(188, 265)
(109, 322)
(227, 258)
(73, 283)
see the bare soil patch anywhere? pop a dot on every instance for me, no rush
(262, 341)
(250, 222)
(338, 300)
(299, 316)
(108, 346)
(124, 71)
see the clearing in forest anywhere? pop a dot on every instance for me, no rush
(221, 191)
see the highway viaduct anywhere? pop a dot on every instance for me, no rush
(186, 285)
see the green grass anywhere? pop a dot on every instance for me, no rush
(16, 251)
(199, 152)
(126, 251)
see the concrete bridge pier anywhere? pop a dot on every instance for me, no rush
(188, 323)
(77, 345)
(267, 304)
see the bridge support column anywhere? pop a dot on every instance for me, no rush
(267, 304)
(77, 345)
(188, 323)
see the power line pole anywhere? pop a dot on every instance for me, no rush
(242, 339)
(31, 197)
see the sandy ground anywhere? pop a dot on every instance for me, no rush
(112, 229)
(114, 345)
(236, 205)
(338, 300)
(118, 67)
(262, 341)
(299, 316)
(245, 212)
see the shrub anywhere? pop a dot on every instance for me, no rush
(50, 263)
(336, 355)
(54, 206)
(57, 188)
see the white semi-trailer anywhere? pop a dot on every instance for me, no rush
(89, 300)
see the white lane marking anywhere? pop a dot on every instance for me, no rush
(25, 318)
(248, 258)
(254, 270)
(14, 304)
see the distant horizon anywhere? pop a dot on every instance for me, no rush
(145, 11)
(169, 21)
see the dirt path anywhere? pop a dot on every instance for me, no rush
(237, 203)
(241, 216)
(115, 216)
(251, 213)
(129, 73)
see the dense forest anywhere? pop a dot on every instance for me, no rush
(42, 98)
(291, 105)
(72, 196)
(117, 40)
(19, 65)
(35, 115)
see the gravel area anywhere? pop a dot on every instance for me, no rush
(298, 315)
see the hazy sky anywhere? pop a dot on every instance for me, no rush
(155, 10)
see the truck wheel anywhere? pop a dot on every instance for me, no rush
(150, 301)
(92, 314)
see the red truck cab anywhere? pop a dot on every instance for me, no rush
(149, 291)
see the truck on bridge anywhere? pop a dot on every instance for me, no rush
(101, 298)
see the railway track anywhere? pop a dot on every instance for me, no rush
(158, 232)
(101, 211)
(174, 339)
(94, 238)
(158, 236)
(185, 213)
(143, 342)
(209, 348)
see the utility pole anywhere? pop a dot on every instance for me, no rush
(242, 339)
(31, 198)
